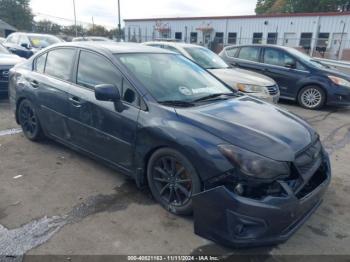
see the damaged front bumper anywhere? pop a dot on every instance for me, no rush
(229, 219)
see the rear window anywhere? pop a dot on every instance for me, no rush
(249, 53)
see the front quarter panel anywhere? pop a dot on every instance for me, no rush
(160, 127)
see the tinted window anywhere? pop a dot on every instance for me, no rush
(249, 53)
(280, 58)
(40, 63)
(59, 63)
(95, 70)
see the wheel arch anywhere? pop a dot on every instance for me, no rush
(313, 84)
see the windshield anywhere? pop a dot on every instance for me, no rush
(172, 77)
(39, 41)
(307, 59)
(206, 58)
(3, 50)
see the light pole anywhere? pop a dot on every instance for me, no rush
(119, 25)
(75, 20)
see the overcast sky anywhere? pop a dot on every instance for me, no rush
(105, 11)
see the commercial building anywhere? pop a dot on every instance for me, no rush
(321, 34)
(6, 29)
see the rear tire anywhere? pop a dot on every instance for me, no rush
(312, 97)
(29, 121)
(173, 181)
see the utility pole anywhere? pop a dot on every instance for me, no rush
(75, 20)
(119, 24)
(93, 26)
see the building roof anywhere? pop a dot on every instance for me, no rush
(6, 26)
(239, 17)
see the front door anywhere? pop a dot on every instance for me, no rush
(278, 66)
(98, 127)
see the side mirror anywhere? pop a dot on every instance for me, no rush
(107, 92)
(291, 65)
(25, 45)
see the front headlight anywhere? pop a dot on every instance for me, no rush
(339, 81)
(254, 165)
(251, 88)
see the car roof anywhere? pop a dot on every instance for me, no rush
(32, 34)
(114, 47)
(259, 45)
(174, 44)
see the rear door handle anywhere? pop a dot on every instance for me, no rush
(75, 101)
(34, 83)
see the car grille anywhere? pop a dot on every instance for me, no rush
(4, 74)
(273, 90)
(311, 171)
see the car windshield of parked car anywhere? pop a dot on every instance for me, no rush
(206, 58)
(39, 41)
(3, 50)
(307, 59)
(172, 77)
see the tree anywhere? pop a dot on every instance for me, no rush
(301, 6)
(98, 30)
(47, 27)
(17, 13)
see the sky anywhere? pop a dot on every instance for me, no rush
(105, 12)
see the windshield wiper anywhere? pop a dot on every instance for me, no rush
(177, 103)
(213, 96)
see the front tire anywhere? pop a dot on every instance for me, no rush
(312, 97)
(29, 121)
(173, 181)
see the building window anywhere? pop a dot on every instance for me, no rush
(219, 38)
(193, 37)
(272, 38)
(178, 35)
(232, 38)
(322, 42)
(257, 38)
(305, 40)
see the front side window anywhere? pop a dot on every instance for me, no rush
(94, 69)
(249, 53)
(280, 58)
(206, 58)
(59, 63)
(172, 77)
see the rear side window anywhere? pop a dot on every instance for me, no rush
(59, 63)
(249, 53)
(231, 52)
(94, 69)
(40, 64)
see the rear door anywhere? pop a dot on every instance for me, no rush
(284, 69)
(99, 127)
(51, 79)
(248, 57)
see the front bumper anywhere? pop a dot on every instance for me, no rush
(340, 96)
(224, 217)
(4, 87)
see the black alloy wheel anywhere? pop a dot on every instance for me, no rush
(173, 181)
(29, 121)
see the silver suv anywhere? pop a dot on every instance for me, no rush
(246, 81)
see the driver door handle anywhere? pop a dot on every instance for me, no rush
(34, 83)
(75, 101)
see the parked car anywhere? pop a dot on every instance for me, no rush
(246, 81)
(91, 38)
(27, 44)
(251, 172)
(300, 77)
(7, 61)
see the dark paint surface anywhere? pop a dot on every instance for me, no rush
(291, 81)
(125, 136)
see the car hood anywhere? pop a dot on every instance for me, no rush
(232, 76)
(10, 59)
(336, 72)
(253, 125)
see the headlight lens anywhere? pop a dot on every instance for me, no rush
(251, 88)
(254, 165)
(339, 81)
